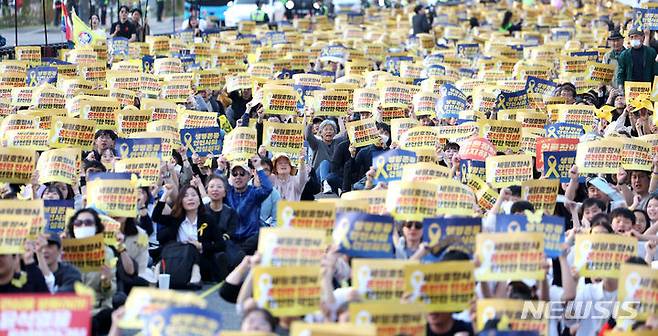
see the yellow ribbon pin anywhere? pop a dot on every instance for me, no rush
(201, 228)
(605, 112)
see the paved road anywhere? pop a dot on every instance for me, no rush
(34, 35)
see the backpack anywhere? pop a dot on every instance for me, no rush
(177, 260)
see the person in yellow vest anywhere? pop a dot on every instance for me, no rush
(259, 14)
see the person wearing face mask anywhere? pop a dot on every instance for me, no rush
(637, 64)
(86, 223)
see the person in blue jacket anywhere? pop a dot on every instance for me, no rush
(246, 200)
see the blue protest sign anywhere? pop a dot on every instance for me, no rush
(646, 18)
(551, 226)
(512, 100)
(539, 85)
(558, 164)
(183, 321)
(273, 38)
(55, 211)
(564, 130)
(147, 63)
(120, 46)
(388, 165)
(304, 91)
(448, 89)
(202, 141)
(362, 235)
(442, 232)
(468, 50)
(392, 63)
(53, 61)
(139, 148)
(590, 55)
(450, 106)
(39, 75)
(333, 53)
(475, 167)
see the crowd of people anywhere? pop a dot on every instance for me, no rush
(201, 221)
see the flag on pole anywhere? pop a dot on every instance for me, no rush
(66, 24)
(82, 33)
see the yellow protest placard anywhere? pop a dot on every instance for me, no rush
(209, 79)
(584, 115)
(379, 279)
(283, 138)
(196, 119)
(115, 197)
(14, 230)
(160, 109)
(291, 246)
(532, 119)
(32, 139)
(130, 121)
(30, 54)
(102, 111)
(599, 156)
(45, 117)
(424, 171)
(331, 329)
(411, 201)
(601, 255)
(240, 144)
(420, 137)
(110, 229)
(72, 132)
(280, 100)
(395, 95)
(148, 169)
(175, 91)
(509, 256)
(287, 291)
(86, 254)
(600, 72)
(48, 97)
(16, 164)
(485, 195)
(363, 132)
(504, 171)
(93, 71)
(633, 89)
(453, 198)
(444, 287)
(331, 102)
(306, 214)
(425, 103)
(365, 100)
(144, 300)
(22, 96)
(638, 285)
(636, 155)
(123, 97)
(59, 165)
(400, 126)
(376, 199)
(390, 318)
(122, 80)
(505, 135)
(17, 122)
(541, 193)
(511, 311)
(31, 211)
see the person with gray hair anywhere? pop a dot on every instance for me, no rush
(323, 149)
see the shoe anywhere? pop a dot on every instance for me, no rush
(326, 188)
(196, 274)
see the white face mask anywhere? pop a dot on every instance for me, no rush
(635, 43)
(84, 231)
(384, 138)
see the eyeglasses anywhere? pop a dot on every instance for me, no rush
(84, 222)
(236, 174)
(415, 225)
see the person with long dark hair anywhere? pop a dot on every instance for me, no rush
(188, 223)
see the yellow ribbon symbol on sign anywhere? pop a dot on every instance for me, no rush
(551, 161)
(551, 132)
(341, 232)
(531, 86)
(534, 217)
(380, 164)
(123, 150)
(500, 104)
(188, 142)
(434, 232)
(156, 325)
(33, 79)
(203, 227)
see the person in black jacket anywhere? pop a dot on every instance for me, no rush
(420, 22)
(189, 223)
(66, 275)
(27, 279)
(226, 220)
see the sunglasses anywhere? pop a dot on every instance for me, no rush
(241, 173)
(84, 222)
(416, 225)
